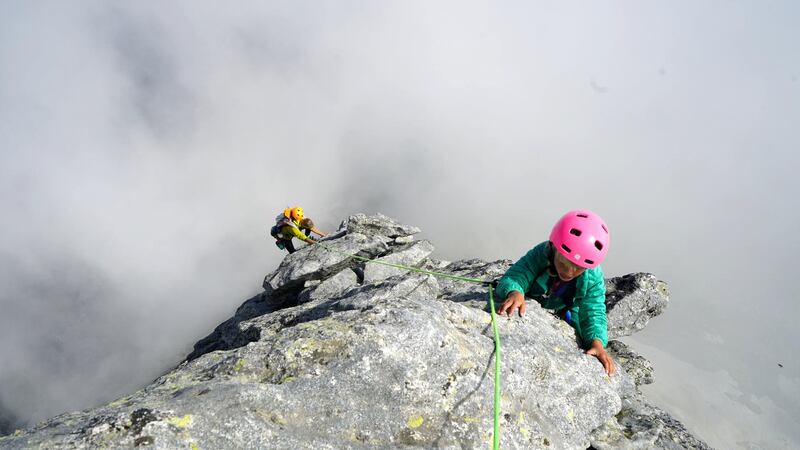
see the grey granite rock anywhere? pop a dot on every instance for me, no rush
(640, 425)
(635, 365)
(390, 365)
(469, 294)
(321, 261)
(404, 240)
(632, 300)
(410, 255)
(326, 358)
(333, 287)
(378, 225)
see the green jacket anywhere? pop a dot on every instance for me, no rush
(529, 276)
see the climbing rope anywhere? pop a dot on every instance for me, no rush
(496, 438)
(490, 284)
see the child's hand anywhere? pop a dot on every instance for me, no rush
(601, 354)
(514, 300)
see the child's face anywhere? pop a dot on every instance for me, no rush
(566, 269)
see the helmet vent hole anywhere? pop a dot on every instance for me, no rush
(588, 261)
(598, 245)
(604, 228)
(575, 231)
(566, 249)
(583, 215)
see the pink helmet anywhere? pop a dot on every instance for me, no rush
(582, 237)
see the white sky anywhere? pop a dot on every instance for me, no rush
(145, 148)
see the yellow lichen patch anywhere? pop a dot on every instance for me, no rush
(273, 417)
(119, 401)
(239, 365)
(570, 415)
(469, 419)
(330, 326)
(180, 422)
(415, 421)
(193, 446)
(466, 365)
(287, 379)
(558, 349)
(278, 419)
(320, 351)
(525, 432)
(270, 416)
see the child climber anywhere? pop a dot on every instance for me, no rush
(292, 224)
(564, 274)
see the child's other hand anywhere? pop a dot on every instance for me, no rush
(601, 354)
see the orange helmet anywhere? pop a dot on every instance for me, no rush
(295, 213)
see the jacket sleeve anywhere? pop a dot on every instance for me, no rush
(522, 273)
(592, 311)
(296, 233)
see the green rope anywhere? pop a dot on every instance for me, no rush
(496, 440)
(410, 269)
(496, 433)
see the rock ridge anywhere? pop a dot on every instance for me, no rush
(339, 354)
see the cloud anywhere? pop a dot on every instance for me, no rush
(147, 148)
(714, 338)
(751, 420)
